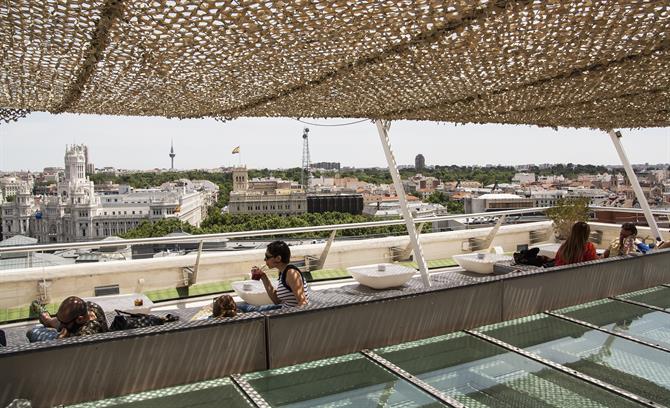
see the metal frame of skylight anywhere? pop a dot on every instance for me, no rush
(569, 371)
(607, 331)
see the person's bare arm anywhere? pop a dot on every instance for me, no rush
(271, 291)
(48, 321)
(294, 281)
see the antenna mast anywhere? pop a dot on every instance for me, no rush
(306, 174)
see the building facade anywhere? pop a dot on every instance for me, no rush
(419, 162)
(76, 213)
(265, 196)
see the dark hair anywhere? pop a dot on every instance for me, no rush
(224, 306)
(629, 226)
(572, 249)
(280, 248)
(72, 308)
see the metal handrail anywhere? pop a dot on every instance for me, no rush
(628, 210)
(257, 233)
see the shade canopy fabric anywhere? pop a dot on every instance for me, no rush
(587, 63)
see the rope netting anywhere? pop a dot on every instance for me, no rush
(12, 115)
(581, 63)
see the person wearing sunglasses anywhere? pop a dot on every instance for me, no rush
(291, 289)
(75, 317)
(625, 244)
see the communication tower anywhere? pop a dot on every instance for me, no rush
(306, 174)
(172, 155)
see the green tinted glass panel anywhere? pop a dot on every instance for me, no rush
(634, 367)
(636, 321)
(659, 297)
(347, 381)
(479, 374)
(214, 393)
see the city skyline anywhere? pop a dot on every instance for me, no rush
(144, 143)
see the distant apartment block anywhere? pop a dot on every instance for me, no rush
(346, 203)
(524, 178)
(326, 165)
(496, 202)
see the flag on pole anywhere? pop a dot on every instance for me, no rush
(236, 150)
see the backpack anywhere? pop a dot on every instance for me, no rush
(126, 320)
(531, 257)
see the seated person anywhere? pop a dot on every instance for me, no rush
(625, 244)
(577, 247)
(224, 306)
(292, 289)
(75, 317)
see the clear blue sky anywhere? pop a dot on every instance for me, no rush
(144, 143)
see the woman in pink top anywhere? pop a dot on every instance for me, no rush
(577, 247)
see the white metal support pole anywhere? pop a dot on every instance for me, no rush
(616, 139)
(382, 128)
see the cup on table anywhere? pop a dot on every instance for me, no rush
(481, 256)
(247, 287)
(381, 267)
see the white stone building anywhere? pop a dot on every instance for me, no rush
(77, 213)
(10, 185)
(265, 196)
(523, 178)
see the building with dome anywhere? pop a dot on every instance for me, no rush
(77, 213)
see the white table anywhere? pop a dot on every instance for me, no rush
(392, 275)
(123, 302)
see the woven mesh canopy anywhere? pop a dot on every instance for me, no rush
(587, 63)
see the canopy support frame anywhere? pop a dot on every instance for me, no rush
(635, 183)
(383, 128)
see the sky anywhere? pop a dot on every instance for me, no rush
(39, 141)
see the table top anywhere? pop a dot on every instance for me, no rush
(389, 269)
(123, 302)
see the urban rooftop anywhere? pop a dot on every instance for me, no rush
(490, 332)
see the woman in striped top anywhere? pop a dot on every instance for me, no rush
(291, 287)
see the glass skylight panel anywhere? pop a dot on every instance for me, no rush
(659, 297)
(642, 370)
(636, 321)
(480, 374)
(346, 381)
(205, 394)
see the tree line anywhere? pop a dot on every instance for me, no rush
(216, 222)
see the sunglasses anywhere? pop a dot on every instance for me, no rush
(268, 256)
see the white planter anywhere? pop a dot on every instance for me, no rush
(254, 294)
(478, 264)
(374, 277)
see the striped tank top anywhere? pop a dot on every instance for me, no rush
(284, 292)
